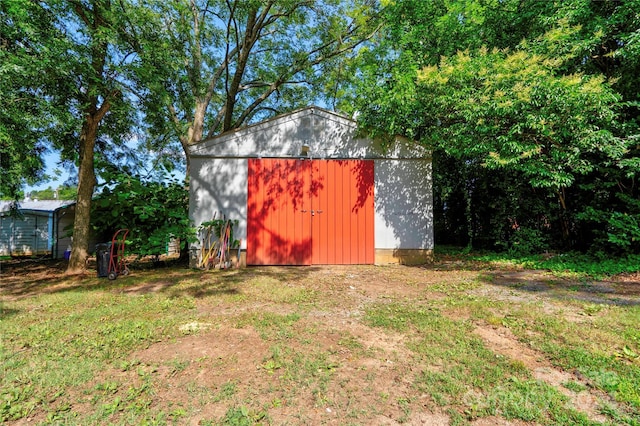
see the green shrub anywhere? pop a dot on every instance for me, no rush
(525, 241)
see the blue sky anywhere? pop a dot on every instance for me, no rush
(51, 163)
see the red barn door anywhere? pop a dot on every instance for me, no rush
(303, 212)
(278, 231)
(342, 202)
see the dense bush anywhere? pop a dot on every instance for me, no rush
(154, 212)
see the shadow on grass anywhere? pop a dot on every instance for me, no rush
(278, 273)
(20, 288)
(7, 312)
(547, 285)
(34, 278)
(227, 282)
(443, 262)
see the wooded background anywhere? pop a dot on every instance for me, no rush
(530, 108)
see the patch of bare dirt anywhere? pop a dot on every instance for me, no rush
(502, 341)
(216, 364)
(27, 277)
(365, 377)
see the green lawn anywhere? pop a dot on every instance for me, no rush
(451, 343)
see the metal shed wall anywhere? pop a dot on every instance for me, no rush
(63, 227)
(404, 204)
(28, 235)
(403, 186)
(219, 186)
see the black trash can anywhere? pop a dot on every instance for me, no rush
(103, 254)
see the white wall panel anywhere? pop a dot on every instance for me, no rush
(219, 186)
(328, 135)
(403, 185)
(403, 204)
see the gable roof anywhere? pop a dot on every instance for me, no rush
(282, 135)
(35, 205)
(326, 134)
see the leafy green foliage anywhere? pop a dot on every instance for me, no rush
(29, 43)
(207, 67)
(511, 111)
(238, 416)
(525, 241)
(621, 230)
(524, 106)
(60, 193)
(594, 265)
(154, 212)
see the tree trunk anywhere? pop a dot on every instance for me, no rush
(86, 184)
(564, 219)
(96, 17)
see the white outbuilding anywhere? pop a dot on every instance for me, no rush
(305, 189)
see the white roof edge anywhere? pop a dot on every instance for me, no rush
(273, 121)
(336, 136)
(37, 206)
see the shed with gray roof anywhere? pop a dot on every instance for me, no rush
(35, 227)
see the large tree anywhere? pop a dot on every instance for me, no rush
(539, 90)
(28, 43)
(198, 68)
(206, 67)
(91, 91)
(63, 86)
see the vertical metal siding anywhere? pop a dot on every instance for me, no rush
(6, 235)
(26, 236)
(343, 226)
(278, 232)
(310, 212)
(63, 229)
(319, 212)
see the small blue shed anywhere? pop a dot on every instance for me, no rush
(35, 228)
